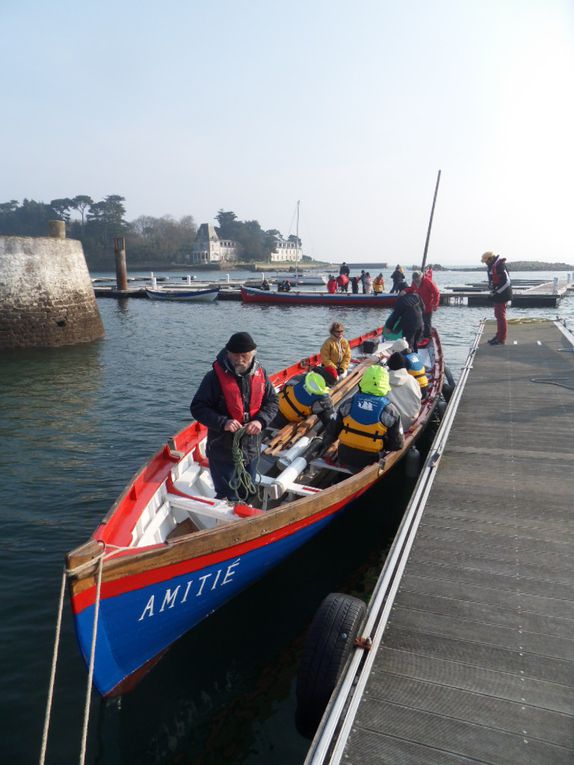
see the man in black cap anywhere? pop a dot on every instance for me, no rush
(237, 392)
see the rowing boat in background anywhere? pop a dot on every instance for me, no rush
(179, 293)
(349, 300)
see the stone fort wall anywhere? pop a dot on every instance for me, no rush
(46, 294)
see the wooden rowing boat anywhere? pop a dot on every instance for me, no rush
(179, 293)
(350, 300)
(168, 553)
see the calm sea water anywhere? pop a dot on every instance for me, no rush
(76, 423)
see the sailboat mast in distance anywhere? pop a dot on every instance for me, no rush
(297, 241)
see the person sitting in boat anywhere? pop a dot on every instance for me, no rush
(406, 318)
(355, 285)
(265, 285)
(306, 394)
(336, 351)
(368, 423)
(284, 286)
(416, 369)
(331, 285)
(236, 393)
(405, 391)
(378, 284)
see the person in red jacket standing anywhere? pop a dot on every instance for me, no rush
(500, 292)
(429, 293)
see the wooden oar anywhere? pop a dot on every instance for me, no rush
(293, 431)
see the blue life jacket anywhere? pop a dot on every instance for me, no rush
(417, 369)
(362, 427)
(295, 402)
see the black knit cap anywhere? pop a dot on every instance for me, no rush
(240, 342)
(396, 361)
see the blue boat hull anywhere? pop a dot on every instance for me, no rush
(137, 626)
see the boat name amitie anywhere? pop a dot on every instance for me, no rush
(180, 594)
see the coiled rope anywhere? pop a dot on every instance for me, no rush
(241, 481)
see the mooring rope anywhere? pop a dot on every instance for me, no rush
(241, 481)
(553, 381)
(57, 637)
(92, 660)
(53, 671)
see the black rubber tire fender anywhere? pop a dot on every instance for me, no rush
(329, 643)
(448, 385)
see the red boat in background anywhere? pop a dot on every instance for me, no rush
(382, 300)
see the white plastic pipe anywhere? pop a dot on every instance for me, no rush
(291, 454)
(284, 479)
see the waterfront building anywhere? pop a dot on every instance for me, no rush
(209, 248)
(286, 250)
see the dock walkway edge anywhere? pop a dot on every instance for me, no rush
(328, 745)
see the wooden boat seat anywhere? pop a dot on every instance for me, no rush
(182, 529)
(204, 512)
(159, 527)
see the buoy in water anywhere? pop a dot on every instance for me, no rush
(328, 645)
(412, 462)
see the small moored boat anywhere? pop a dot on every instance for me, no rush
(169, 553)
(179, 293)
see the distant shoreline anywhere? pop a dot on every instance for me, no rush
(519, 265)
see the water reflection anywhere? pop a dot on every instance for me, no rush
(76, 423)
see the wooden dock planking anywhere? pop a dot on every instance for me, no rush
(476, 661)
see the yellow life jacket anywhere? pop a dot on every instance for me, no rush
(416, 368)
(362, 428)
(294, 402)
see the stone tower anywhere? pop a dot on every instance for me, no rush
(46, 294)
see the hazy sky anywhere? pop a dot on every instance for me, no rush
(189, 106)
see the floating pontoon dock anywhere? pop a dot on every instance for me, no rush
(543, 295)
(472, 619)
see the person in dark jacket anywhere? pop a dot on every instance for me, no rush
(407, 316)
(500, 291)
(236, 393)
(399, 281)
(344, 270)
(368, 423)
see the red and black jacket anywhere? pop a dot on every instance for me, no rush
(240, 397)
(499, 280)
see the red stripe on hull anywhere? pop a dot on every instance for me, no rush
(163, 573)
(358, 301)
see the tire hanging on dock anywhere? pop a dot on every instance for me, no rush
(448, 385)
(327, 647)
